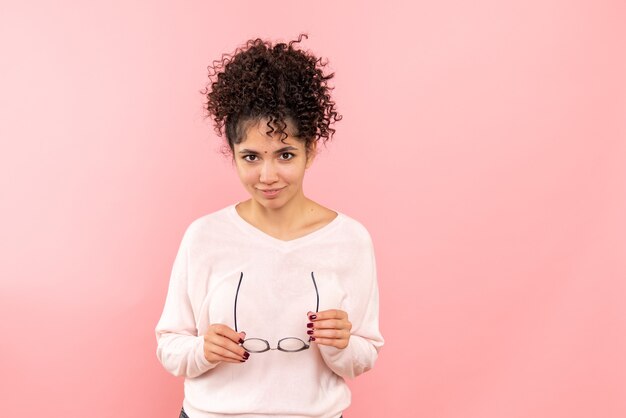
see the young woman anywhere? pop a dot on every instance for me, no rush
(273, 301)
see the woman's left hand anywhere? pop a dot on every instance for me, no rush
(329, 327)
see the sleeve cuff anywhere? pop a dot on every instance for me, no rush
(203, 364)
(339, 360)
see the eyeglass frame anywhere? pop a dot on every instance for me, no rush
(306, 346)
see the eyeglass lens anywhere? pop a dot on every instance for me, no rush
(258, 345)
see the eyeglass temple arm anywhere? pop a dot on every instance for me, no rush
(317, 306)
(236, 296)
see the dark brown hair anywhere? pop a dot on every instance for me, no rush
(277, 82)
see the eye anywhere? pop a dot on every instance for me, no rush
(285, 156)
(250, 158)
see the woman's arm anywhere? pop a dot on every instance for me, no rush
(361, 306)
(179, 347)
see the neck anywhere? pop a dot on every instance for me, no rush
(282, 220)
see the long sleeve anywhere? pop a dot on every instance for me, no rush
(362, 308)
(179, 347)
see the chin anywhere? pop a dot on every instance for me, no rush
(272, 203)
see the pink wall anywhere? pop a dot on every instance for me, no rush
(483, 144)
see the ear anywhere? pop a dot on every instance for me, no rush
(311, 153)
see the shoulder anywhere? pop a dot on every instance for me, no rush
(211, 224)
(344, 224)
(354, 229)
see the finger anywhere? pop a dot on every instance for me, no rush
(233, 339)
(215, 358)
(331, 324)
(228, 332)
(213, 351)
(330, 334)
(332, 342)
(226, 345)
(237, 350)
(328, 314)
(215, 354)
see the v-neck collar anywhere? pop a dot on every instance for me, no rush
(248, 227)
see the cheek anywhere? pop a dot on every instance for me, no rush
(297, 173)
(247, 174)
(290, 174)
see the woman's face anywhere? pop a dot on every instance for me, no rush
(272, 170)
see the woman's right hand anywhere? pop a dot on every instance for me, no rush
(221, 343)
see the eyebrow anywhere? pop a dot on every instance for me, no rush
(278, 151)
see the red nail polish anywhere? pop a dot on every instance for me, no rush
(309, 325)
(311, 338)
(312, 317)
(246, 355)
(310, 332)
(241, 341)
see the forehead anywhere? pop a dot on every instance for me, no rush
(256, 137)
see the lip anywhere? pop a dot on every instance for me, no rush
(270, 192)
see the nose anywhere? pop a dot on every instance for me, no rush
(269, 174)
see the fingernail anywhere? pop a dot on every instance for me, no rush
(246, 355)
(311, 338)
(241, 341)
(310, 332)
(309, 325)
(312, 317)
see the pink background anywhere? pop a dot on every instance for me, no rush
(483, 145)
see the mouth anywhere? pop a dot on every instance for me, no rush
(270, 192)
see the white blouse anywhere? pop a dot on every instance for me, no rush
(220, 252)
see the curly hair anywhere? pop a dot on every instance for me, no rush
(274, 82)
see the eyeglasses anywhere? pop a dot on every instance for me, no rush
(287, 344)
